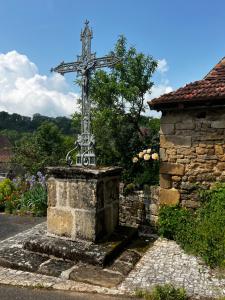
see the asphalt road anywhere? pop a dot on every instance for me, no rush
(16, 293)
(11, 225)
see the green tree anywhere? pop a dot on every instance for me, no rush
(45, 147)
(119, 100)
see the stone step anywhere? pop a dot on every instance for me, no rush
(101, 253)
(20, 259)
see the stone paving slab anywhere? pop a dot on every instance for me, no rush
(12, 255)
(100, 253)
(166, 262)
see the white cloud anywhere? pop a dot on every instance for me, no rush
(23, 90)
(160, 89)
(162, 66)
(161, 86)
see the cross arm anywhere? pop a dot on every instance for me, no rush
(65, 67)
(106, 61)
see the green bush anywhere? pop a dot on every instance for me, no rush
(34, 200)
(163, 292)
(201, 232)
(6, 189)
(173, 220)
(129, 188)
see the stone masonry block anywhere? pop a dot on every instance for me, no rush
(218, 124)
(169, 196)
(167, 129)
(51, 186)
(185, 125)
(111, 190)
(163, 156)
(218, 150)
(60, 222)
(82, 194)
(61, 192)
(165, 181)
(171, 168)
(171, 118)
(85, 224)
(85, 198)
(168, 141)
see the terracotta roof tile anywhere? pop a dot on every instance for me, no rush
(211, 87)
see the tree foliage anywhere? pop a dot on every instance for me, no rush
(45, 147)
(21, 124)
(118, 99)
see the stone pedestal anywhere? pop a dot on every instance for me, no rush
(83, 203)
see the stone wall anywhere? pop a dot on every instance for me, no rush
(192, 152)
(139, 208)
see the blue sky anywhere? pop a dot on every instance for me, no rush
(187, 36)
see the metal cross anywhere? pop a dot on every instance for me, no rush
(85, 64)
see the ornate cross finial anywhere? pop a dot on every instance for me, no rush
(84, 66)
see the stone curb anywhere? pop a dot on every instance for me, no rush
(27, 279)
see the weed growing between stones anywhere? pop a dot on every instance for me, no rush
(163, 292)
(201, 232)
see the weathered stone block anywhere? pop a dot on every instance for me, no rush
(85, 224)
(171, 168)
(200, 150)
(51, 186)
(108, 216)
(171, 118)
(60, 222)
(163, 156)
(167, 141)
(221, 166)
(185, 125)
(167, 129)
(218, 150)
(83, 198)
(61, 193)
(87, 194)
(111, 190)
(169, 197)
(218, 124)
(165, 181)
(176, 178)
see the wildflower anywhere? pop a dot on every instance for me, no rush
(149, 150)
(135, 160)
(147, 156)
(144, 151)
(141, 154)
(155, 156)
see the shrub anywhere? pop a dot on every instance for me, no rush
(163, 292)
(172, 220)
(129, 188)
(6, 189)
(34, 200)
(201, 233)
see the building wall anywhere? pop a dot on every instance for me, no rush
(139, 208)
(192, 153)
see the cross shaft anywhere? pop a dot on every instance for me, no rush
(86, 63)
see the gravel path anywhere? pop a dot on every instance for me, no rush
(166, 262)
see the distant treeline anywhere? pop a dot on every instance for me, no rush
(28, 124)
